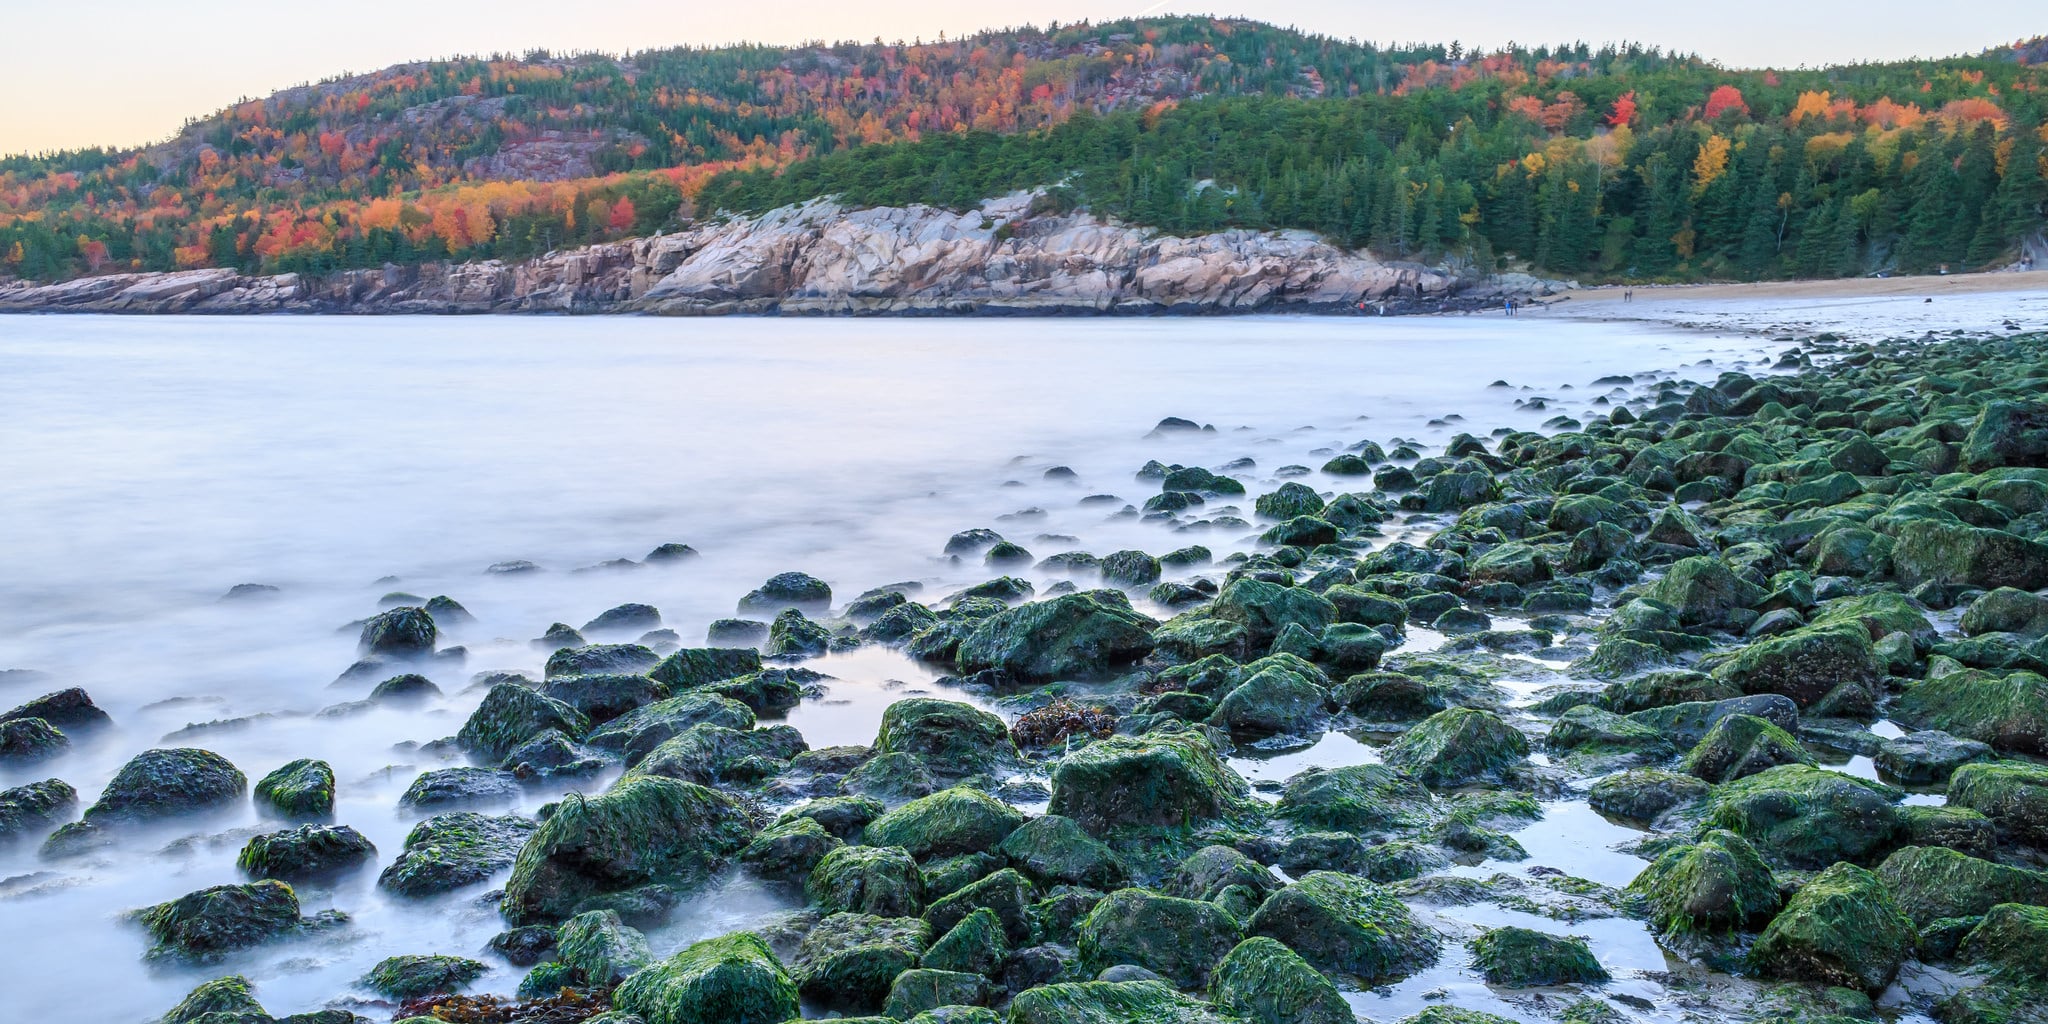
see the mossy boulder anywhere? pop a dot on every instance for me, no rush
(601, 659)
(38, 805)
(220, 1000)
(693, 667)
(1642, 795)
(962, 738)
(1352, 798)
(843, 816)
(1343, 923)
(1172, 779)
(1265, 609)
(448, 851)
(918, 991)
(509, 716)
(605, 696)
(730, 980)
(976, 945)
(645, 829)
(1055, 850)
(790, 850)
(793, 636)
(2007, 610)
(1932, 882)
(1929, 756)
(1288, 501)
(2009, 712)
(2012, 941)
(1008, 894)
(711, 754)
(1208, 872)
(28, 740)
(1074, 636)
(300, 789)
(1180, 940)
(1934, 551)
(953, 821)
(2013, 794)
(1273, 701)
(1718, 884)
(447, 787)
(1264, 982)
(1704, 591)
(1596, 731)
(635, 733)
(1806, 817)
(1841, 928)
(415, 975)
(206, 925)
(1522, 957)
(1110, 1002)
(602, 949)
(1807, 664)
(1742, 745)
(306, 852)
(165, 782)
(398, 633)
(848, 961)
(876, 880)
(1458, 746)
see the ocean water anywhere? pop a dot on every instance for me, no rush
(152, 463)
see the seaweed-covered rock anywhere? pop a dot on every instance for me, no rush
(894, 777)
(448, 851)
(1352, 798)
(798, 590)
(37, 805)
(306, 852)
(1074, 636)
(645, 829)
(602, 949)
(1593, 730)
(1521, 957)
(1265, 609)
(71, 710)
(1806, 665)
(843, 816)
(917, 991)
(2012, 941)
(1055, 850)
(1180, 940)
(734, 979)
(164, 782)
(399, 633)
(1641, 795)
(692, 667)
(222, 999)
(711, 754)
(847, 961)
(208, 924)
(1209, 871)
(414, 975)
(793, 636)
(1928, 756)
(2014, 795)
(1288, 501)
(1344, 923)
(1704, 592)
(1171, 779)
(1934, 551)
(958, 820)
(1689, 722)
(601, 659)
(639, 731)
(28, 740)
(976, 945)
(448, 787)
(1718, 884)
(1110, 1002)
(1266, 983)
(1742, 745)
(302, 788)
(962, 738)
(604, 696)
(509, 716)
(1932, 882)
(2007, 712)
(789, 850)
(1841, 928)
(1273, 700)
(625, 618)
(876, 880)
(1808, 817)
(1457, 746)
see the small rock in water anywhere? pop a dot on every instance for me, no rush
(249, 591)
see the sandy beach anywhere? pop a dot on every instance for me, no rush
(1840, 288)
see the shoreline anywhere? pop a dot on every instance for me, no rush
(1830, 289)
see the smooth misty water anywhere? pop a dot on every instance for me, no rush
(150, 464)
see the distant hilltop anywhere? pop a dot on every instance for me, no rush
(1608, 164)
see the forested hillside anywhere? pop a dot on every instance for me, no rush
(1615, 162)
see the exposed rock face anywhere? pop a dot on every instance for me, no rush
(821, 258)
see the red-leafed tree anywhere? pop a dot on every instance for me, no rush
(1624, 111)
(1723, 99)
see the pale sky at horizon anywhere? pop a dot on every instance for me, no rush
(127, 72)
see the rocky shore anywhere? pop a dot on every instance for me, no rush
(1787, 625)
(822, 259)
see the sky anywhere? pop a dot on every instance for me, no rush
(129, 72)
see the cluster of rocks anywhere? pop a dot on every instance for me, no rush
(1746, 577)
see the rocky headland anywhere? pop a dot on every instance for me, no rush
(1786, 625)
(823, 259)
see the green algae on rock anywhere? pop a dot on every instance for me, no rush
(645, 829)
(1521, 957)
(734, 979)
(1841, 928)
(1181, 940)
(413, 976)
(1346, 924)
(301, 788)
(1718, 884)
(1264, 982)
(1162, 779)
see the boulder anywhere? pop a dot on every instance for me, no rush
(1273, 701)
(1642, 795)
(1170, 779)
(734, 979)
(413, 976)
(1841, 928)
(953, 821)
(2013, 942)
(711, 755)
(625, 618)
(1288, 501)
(2006, 610)
(797, 590)
(2013, 794)
(1718, 884)
(692, 667)
(512, 714)
(792, 636)
(452, 850)
(1518, 957)
(1009, 895)
(637, 732)
(1931, 883)
(1264, 982)
(1742, 745)
(965, 740)
(601, 659)
(1704, 592)
(789, 851)
(645, 829)
(1180, 940)
(1264, 609)
(1075, 636)
(1343, 923)
(220, 1001)
(875, 880)
(1931, 756)
(976, 945)
(920, 994)
(1458, 746)
(1807, 817)
(601, 698)
(308, 852)
(2008, 712)
(207, 925)
(602, 949)
(38, 805)
(398, 633)
(1806, 665)
(1352, 798)
(1933, 551)
(1055, 850)
(1107, 1002)
(848, 961)
(71, 710)
(300, 789)
(450, 787)
(2006, 434)
(28, 740)
(165, 782)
